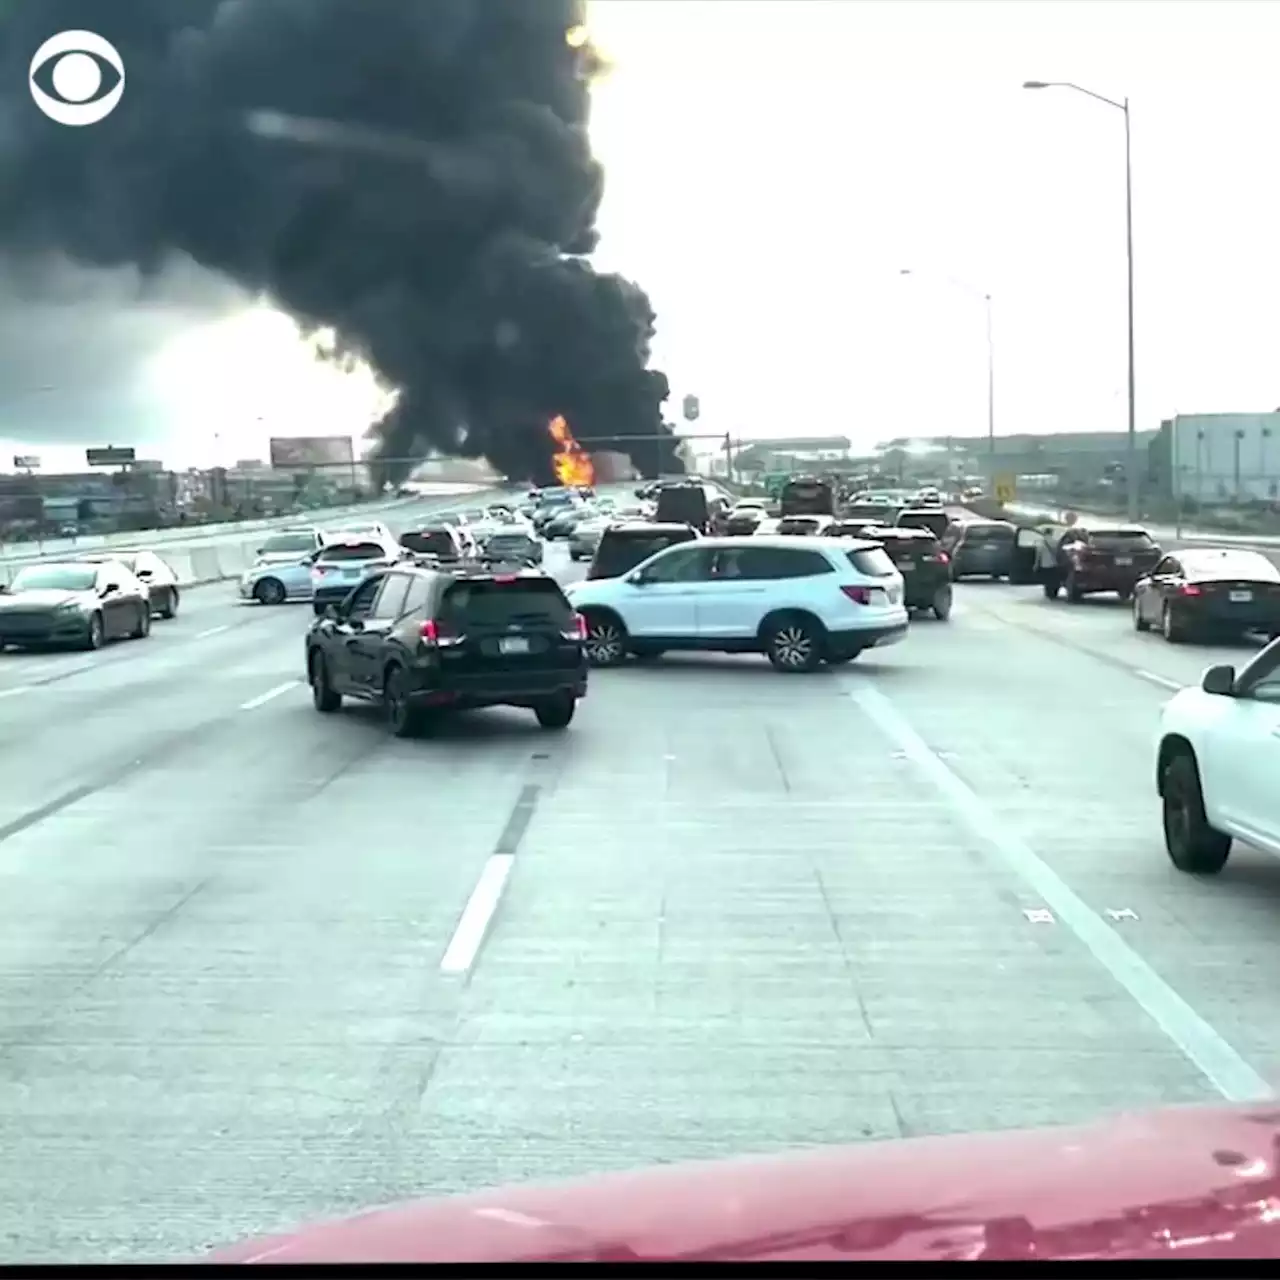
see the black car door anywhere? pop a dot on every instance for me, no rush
(1165, 578)
(367, 645)
(340, 630)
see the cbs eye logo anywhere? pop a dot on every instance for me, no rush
(77, 78)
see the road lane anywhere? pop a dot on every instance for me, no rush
(736, 916)
(1103, 627)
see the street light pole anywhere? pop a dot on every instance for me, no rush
(1131, 448)
(991, 356)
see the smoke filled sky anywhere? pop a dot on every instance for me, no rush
(773, 164)
(413, 176)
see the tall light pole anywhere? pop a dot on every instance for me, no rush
(985, 298)
(1131, 454)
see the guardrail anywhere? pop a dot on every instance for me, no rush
(206, 559)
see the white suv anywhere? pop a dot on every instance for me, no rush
(1217, 761)
(801, 601)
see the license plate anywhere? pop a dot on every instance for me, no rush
(1124, 560)
(1241, 597)
(514, 644)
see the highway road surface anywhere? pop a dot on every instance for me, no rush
(260, 966)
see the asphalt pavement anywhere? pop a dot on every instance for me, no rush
(260, 966)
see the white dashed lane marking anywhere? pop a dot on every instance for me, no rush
(263, 698)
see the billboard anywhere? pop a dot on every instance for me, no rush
(109, 457)
(26, 462)
(312, 451)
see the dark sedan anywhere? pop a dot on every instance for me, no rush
(77, 603)
(160, 579)
(1209, 592)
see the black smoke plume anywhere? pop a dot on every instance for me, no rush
(415, 174)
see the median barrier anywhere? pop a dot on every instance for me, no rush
(44, 549)
(198, 563)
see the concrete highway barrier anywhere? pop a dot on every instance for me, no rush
(216, 557)
(45, 548)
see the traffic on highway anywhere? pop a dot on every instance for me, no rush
(520, 836)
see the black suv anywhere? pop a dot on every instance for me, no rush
(623, 546)
(423, 640)
(919, 557)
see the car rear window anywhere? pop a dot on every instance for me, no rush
(1235, 564)
(797, 526)
(873, 562)
(989, 533)
(433, 542)
(907, 548)
(869, 511)
(934, 521)
(488, 602)
(354, 551)
(1120, 540)
(619, 552)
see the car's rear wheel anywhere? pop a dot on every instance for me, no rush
(170, 609)
(942, 604)
(1140, 623)
(1173, 630)
(1192, 844)
(270, 591)
(403, 718)
(557, 712)
(793, 643)
(96, 636)
(143, 628)
(324, 696)
(1074, 594)
(606, 643)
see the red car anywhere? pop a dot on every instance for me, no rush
(1192, 1182)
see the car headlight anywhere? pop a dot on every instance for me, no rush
(72, 606)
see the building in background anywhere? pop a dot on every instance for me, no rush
(1219, 457)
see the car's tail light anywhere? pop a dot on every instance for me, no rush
(317, 572)
(437, 633)
(940, 557)
(859, 595)
(579, 629)
(506, 577)
(1189, 589)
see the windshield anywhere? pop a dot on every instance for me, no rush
(55, 577)
(289, 544)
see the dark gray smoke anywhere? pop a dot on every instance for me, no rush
(414, 173)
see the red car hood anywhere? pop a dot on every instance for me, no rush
(1187, 1182)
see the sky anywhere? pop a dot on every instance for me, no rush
(774, 165)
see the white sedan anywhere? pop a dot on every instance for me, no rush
(1217, 761)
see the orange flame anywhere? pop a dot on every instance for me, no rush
(572, 463)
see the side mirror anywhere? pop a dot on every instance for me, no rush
(110, 589)
(260, 551)
(330, 613)
(1220, 681)
(638, 580)
(356, 624)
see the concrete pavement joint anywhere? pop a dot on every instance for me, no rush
(1199, 1042)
